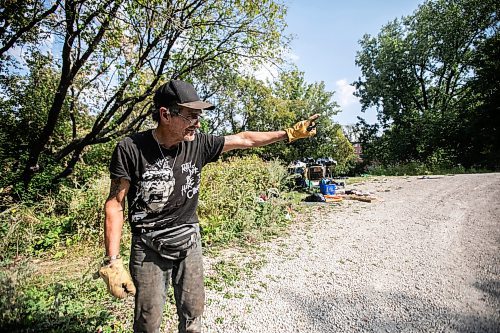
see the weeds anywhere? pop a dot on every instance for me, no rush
(417, 168)
(29, 302)
(58, 221)
(49, 249)
(238, 201)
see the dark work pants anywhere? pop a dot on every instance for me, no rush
(152, 273)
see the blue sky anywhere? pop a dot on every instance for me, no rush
(326, 35)
(325, 40)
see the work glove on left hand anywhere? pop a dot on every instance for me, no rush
(302, 129)
(117, 279)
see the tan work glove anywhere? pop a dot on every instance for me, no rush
(117, 279)
(302, 129)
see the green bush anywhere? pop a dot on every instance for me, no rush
(30, 304)
(230, 208)
(59, 220)
(418, 168)
(86, 206)
(239, 200)
(408, 169)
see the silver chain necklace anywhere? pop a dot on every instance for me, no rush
(161, 150)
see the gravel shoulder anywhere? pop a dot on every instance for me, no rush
(425, 257)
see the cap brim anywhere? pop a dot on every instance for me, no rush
(198, 105)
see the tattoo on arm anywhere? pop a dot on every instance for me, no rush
(118, 191)
(228, 143)
(114, 189)
(229, 139)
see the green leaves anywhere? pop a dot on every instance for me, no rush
(248, 104)
(415, 72)
(109, 57)
(229, 209)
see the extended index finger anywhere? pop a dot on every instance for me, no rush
(314, 117)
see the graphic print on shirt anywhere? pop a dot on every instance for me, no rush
(154, 189)
(193, 180)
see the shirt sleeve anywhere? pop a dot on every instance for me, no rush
(212, 146)
(119, 166)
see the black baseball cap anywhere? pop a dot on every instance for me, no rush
(177, 92)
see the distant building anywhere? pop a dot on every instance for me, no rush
(351, 135)
(358, 150)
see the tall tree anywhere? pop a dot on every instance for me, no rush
(415, 72)
(27, 109)
(247, 103)
(112, 55)
(481, 126)
(23, 22)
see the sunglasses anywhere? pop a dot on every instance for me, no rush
(193, 120)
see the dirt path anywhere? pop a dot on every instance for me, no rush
(424, 258)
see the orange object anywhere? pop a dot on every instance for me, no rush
(332, 198)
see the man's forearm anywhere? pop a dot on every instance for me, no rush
(302, 129)
(245, 140)
(258, 139)
(113, 228)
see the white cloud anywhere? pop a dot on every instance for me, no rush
(344, 95)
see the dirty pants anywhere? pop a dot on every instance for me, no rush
(152, 273)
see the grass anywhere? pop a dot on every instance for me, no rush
(48, 303)
(421, 169)
(50, 250)
(53, 293)
(356, 180)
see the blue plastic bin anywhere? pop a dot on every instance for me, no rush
(326, 188)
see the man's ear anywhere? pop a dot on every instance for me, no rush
(164, 112)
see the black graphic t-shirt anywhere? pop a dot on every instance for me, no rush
(164, 184)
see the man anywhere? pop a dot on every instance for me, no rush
(158, 171)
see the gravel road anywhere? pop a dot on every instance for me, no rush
(423, 258)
